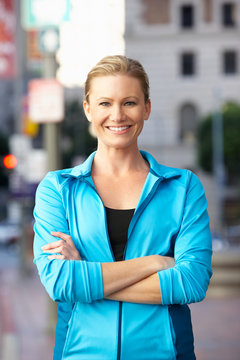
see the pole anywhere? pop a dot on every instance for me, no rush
(51, 134)
(218, 160)
(21, 203)
(51, 130)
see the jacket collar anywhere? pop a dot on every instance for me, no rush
(84, 169)
(158, 169)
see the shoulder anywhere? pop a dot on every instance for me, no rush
(59, 179)
(183, 177)
(176, 179)
(55, 178)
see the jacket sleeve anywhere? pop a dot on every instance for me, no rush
(188, 281)
(65, 281)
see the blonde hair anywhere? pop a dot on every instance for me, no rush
(118, 64)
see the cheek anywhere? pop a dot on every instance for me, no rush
(96, 123)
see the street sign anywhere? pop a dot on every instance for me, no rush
(38, 14)
(46, 101)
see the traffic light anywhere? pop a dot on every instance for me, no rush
(10, 161)
(7, 164)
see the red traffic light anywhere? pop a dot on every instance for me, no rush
(10, 161)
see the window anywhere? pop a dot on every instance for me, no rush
(187, 16)
(188, 123)
(188, 66)
(230, 62)
(207, 11)
(228, 14)
(156, 11)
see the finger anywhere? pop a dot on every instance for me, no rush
(55, 250)
(61, 235)
(53, 245)
(59, 257)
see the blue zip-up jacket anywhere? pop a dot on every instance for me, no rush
(170, 219)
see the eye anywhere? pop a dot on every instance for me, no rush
(130, 103)
(104, 103)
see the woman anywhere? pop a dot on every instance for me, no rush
(134, 246)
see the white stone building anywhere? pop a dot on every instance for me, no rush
(190, 49)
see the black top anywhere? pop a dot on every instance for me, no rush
(118, 222)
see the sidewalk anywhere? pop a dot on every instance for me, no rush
(23, 318)
(24, 312)
(216, 324)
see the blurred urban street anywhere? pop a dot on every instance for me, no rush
(191, 52)
(24, 311)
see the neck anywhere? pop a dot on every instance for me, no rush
(111, 161)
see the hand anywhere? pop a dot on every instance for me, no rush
(65, 247)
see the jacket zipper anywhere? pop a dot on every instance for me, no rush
(150, 195)
(148, 198)
(119, 331)
(120, 314)
(120, 303)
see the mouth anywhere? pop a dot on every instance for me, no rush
(119, 129)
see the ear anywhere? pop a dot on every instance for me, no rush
(147, 109)
(86, 108)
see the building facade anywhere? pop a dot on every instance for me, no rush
(190, 49)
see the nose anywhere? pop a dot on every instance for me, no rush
(117, 113)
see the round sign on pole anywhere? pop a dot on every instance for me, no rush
(49, 40)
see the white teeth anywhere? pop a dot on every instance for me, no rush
(118, 128)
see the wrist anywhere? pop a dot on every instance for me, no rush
(76, 256)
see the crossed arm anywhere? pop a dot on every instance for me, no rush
(133, 280)
(150, 279)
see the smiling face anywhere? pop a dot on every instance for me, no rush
(117, 110)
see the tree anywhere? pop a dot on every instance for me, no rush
(231, 140)
(75, 137)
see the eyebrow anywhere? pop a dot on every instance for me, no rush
(128, 97)
(103, 97)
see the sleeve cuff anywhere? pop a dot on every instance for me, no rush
(166, 286)
(92, 281)
(96, 281)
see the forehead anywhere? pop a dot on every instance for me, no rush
(115, 85)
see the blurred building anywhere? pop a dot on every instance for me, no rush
(190, 49)
(7, 64)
